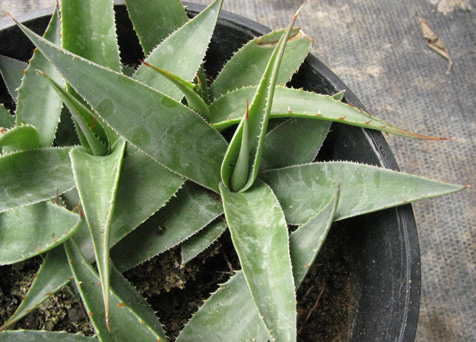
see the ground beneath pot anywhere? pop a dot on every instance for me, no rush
(326, 301)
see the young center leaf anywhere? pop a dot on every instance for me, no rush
(257, 123)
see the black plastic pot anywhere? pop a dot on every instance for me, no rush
(385, 251)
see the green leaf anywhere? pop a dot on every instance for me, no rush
(6, 118)
(130, 319)
(18, 138)
(182, 52)
(307, 240)
(202, 240)
(96, 179)
(364, 189)
(54, 273)
(12, 73)
(35, 229)
(182, 217)
(163, 128)
(33, 176)
(46, 336)
(230, 314)
(146, 14)
(248, 65)
(38, 104)
(296, 103)
(194, 101)
(257, 117)
(89, 30)
(83, 117)
(295, 141)
(260, 236)
(144, 187)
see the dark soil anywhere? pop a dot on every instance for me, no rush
(325, 300)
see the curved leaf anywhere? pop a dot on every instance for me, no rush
(97, 180)
(18, 138)
(297, 103)
(38, 104)
(364, 189)
(260, 236)
(156, 124)
(35, 229)
(130, 318)
(33, 176)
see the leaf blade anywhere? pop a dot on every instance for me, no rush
(260, 236)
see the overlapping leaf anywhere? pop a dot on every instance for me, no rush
(97, 179)
(130, 317)
(183, 217)
(248, 65)
(164, 129)
(146, 14)
(12, 73)
(38, 104)
(33, 176)
(29, 231)
(230, 313)
(260, 236)
(182, 52)
(364, 189)
(253, 127)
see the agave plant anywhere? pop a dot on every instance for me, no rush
(149, 139)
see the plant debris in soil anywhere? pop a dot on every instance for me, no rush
(175, 292)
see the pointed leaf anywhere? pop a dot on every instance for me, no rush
(248, 65)
(202, 240)
(6, 119)
(89, 30)
(83, 117)
(54, 273)
(129, 320)
(32, 230)
(33, 176)
(183, 216)
(46, 336)
(153, 122)
(296, 103)
(364, 189)
(38, 104)
(260, 236)
(18, 138)
(96, 180)
(146, 14)
(257, 116)
(12, 73)
(194, 101)
(182, 52)
(230, 314)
